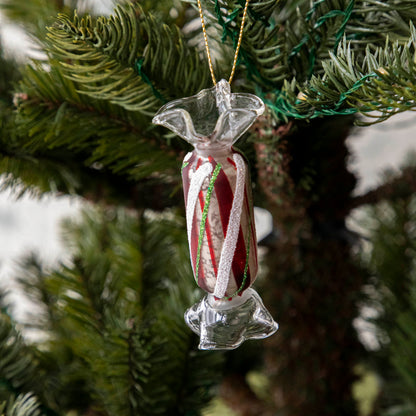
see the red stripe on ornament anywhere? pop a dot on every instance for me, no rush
(250, 212)
(232, 162)
(225, 196)
(194, 242)
(239, 262)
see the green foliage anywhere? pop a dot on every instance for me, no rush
(102, 57)
(22, 405)
(17, 364)
(38, 172)
(55, 112)
(261, 50)
(364, 72)
(403, 344)
(115, 336)
(8, 76)
(393, 252)
(89, 62)
(114, 72)
(383, 83)
(326, 58)
(392, 260)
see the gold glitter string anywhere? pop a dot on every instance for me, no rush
(237, 50)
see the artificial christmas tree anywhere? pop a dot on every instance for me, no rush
(79, 122)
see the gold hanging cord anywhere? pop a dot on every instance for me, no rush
(240, 37)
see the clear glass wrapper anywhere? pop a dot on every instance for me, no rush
(225, 324)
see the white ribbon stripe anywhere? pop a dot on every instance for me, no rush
(230, 242)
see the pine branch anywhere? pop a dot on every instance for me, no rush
(373, 21)
(19, 373)
(302, 44)
(172, 12)
(22, 373)
(22, 405)
(403, 342)
(94, 281)
(392, 255)
(282, 41)
(318, 29)
(9, 75)
(51, 114)
(382, 83)
(60, 171)
(311, 33)
(262, 51)
(53, 109)
(92, 303)
(103, 55)
(108, 315)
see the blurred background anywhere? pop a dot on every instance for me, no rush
(91, 320)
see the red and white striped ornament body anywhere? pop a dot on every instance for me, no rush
(220, 221)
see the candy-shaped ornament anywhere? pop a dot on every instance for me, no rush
(219, 215)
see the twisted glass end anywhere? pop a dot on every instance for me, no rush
(225, 324)
(213, 117)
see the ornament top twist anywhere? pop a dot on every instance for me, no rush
(214, 118)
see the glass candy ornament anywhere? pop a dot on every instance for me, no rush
(219, 214)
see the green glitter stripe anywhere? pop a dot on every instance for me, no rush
(247, 262)
(185, 164)
(205, 216)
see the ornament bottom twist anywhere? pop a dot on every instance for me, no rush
(224, 324)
